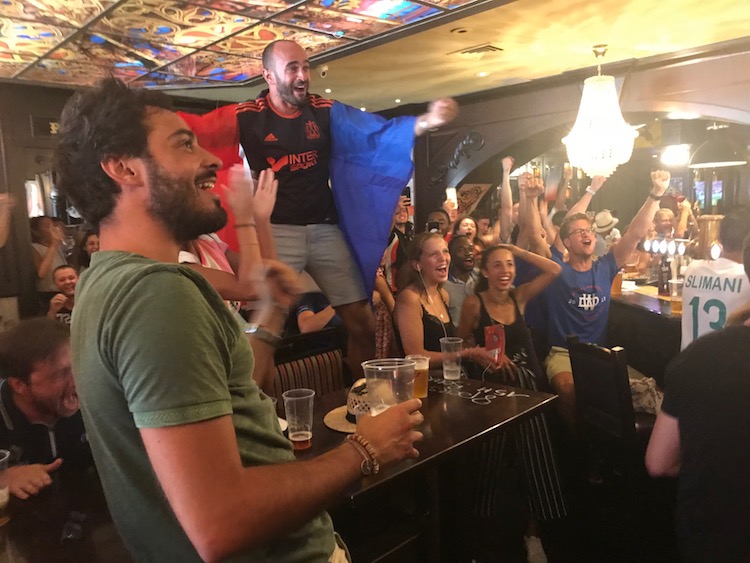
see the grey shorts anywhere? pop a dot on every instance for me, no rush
(322, 251)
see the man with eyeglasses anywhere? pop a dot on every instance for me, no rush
(578, 300)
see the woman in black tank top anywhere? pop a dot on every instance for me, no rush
(497, 303)
(421, 312)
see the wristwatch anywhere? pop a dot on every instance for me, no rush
(424, 125)
(263, 334)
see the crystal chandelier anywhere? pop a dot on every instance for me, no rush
(600, 139)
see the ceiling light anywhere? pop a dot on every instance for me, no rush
(397, 100)
(675, 155)
(717, 152)
(600, 139)
(327, 90)
(683, 115)
(715, 251)
(482, 74)
(363, 108)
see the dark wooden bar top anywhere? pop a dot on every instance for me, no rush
(646, 328)
(456, 414)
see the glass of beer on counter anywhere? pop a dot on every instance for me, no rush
(675, 296)
(421, 370)
(298, 406)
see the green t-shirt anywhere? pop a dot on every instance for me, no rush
(154, 346)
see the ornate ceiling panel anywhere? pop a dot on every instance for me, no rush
(165, 43)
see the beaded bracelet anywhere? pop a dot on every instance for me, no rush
(370, 466)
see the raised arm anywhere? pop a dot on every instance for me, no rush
(549, 271)
(439, 112)
(505, 212)
(685, 212)
(582, 205)
(563, 188)
(44, 263)
(530, 189)
(639, 225)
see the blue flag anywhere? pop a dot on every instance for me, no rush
(371, 163)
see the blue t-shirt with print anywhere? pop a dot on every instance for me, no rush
(578, 302)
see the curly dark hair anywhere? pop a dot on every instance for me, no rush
(28, 343)
(106, 122)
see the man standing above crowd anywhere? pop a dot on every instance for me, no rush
(40, 423)
(578, 300)
(714, 289)
(189, 451)
(336, 232)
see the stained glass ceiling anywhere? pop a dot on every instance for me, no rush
(162, 44)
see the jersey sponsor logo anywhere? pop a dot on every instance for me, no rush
(300, 161)
(715, 283)
(311, 130)
(271, 138)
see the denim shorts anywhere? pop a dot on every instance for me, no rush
(322, 251)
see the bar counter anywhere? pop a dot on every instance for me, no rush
(647, 329)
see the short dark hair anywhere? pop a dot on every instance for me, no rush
(453, 243)
(107, 122)
(443, 211)
(746, 255)
(482, 283)
(28, 343)
(479, 215)
(565, 225)
(63, 267)
(558, 217)
(734, 228)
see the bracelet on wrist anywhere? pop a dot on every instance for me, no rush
(370, 464)
(655, 197)
(243, 225)
(590, 191)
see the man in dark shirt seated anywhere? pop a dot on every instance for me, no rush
(40, 423)
(61, 305)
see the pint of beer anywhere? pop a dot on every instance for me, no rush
(421, 370)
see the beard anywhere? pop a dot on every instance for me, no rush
(176, 203)
(289, 95)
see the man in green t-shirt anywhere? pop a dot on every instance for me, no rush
(190, 453)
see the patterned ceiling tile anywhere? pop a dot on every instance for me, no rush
(29, 38)
(259, 9)
(212, 65)
(10, 64)
(76, 74)
(73, 13)
(399, 11)
(338, 24)
(178, 23)
(162, 79)
(450, 4)
(251, 43)
(109, 50)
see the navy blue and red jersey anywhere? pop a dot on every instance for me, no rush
(298, 148)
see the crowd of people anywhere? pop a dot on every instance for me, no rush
(173, 333)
